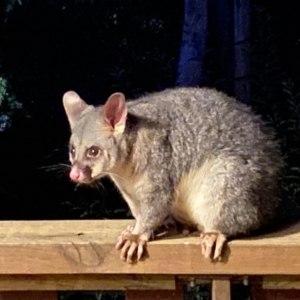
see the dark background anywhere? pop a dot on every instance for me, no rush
(99, 47)
(49, 47)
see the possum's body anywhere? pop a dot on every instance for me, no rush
(192, 153)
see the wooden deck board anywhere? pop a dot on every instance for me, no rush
(88, 247)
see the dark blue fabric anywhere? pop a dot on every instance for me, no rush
(215, 46)
(193, 43)
(241, 50)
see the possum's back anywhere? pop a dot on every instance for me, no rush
(207, 122)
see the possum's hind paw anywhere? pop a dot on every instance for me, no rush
(131, 245)
(212, 244)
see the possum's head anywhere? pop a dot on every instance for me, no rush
(96, 134)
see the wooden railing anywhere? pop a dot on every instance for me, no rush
(39, 258)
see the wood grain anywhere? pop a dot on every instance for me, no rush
(86, 282)
(28, 296)
(260, 294)
(221, 289)
(88, 247)
(281, 282)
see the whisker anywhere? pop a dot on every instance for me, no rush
(76, 186)
(55, 167)
(115, 174)
(54, 152)
(98, 184)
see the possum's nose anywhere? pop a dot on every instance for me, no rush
(80, 173)
(74, 174)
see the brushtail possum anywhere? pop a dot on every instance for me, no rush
(194, 154)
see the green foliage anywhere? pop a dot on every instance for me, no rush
(10, 4)
(8, 105)
(287, 124)
(276, 95)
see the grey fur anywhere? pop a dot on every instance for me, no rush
(171, 134)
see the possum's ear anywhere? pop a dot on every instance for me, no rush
(115, 113)
(74, 106)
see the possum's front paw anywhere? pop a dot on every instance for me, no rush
(212, 244)
(131, 245)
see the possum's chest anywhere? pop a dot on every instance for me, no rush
(131, 188)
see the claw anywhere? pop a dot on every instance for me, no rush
(212, 244)
(141, 247)
(124, 236)
(124, 250)
(130, 245)
(131, 251)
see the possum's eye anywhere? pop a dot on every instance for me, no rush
(93, 151)
(72, 151)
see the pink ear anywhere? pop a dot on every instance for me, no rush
(115, 112)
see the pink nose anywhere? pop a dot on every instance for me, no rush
(74, 174)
